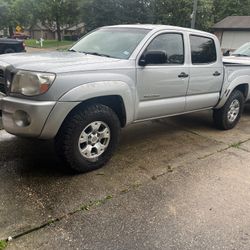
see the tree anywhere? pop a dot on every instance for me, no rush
(16, 12)
(58, 13)
(173, 12)
(95, 13)
(7, 15)
(205, 15)
(98, 13)
(138, 11)
(224, 8)
(26, 12)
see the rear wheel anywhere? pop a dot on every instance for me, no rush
(88, 138)
(229, 115)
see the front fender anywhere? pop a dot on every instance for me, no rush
(83, 93)
(100, 89)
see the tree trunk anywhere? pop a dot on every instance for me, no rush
(58, 29)
(11, 32)
(193, 16)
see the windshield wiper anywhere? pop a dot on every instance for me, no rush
(72, 50)
(96, 54)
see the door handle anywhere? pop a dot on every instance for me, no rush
(183, 75)
(216, 73)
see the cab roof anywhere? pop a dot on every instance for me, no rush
(158, 27)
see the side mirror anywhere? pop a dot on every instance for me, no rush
(226, 53)
(153, 57)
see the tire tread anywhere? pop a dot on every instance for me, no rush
(81, 117)
(220, 115)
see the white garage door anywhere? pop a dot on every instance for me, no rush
(234, 39)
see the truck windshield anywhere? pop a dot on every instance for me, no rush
(244, 50)
(111, 42)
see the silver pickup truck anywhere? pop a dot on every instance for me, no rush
(115, 76)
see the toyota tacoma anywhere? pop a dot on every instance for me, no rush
(115, 76)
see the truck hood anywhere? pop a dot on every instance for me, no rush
(57, 62)
(236, 60)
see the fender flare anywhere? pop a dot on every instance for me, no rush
(85, 92)
(100, 89)
(226, 92)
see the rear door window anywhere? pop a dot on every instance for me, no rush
(203, 50)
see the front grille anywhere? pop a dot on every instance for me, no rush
(2, 88)
(2, 81)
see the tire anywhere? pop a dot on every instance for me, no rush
(9, 50)
(229, 115)
(87, 139)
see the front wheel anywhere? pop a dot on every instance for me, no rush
(9, 50)
(229, 115)
(88, 138)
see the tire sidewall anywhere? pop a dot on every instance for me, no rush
(9, 50)
(237, 95)
(82, 164)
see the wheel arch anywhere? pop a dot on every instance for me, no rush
(242, 87)
(9, 47)
(114, 102)
(63, 110)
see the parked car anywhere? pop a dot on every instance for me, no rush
(21, 36)
(11, 46)
(239, 56)
(113, 77)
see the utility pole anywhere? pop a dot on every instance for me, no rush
(193, 15)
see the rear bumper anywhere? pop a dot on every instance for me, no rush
(24, 117)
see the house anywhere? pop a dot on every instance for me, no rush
(74, 32)
(39, 30)
(233, 31)
(48, 32)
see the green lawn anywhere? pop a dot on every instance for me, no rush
(3, 244)
(48, 43)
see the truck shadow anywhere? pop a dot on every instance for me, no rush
(247, 109)
(28, 155)
(38, 157)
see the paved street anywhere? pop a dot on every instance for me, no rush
(177, 183)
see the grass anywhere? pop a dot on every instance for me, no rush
(48, 43)
(3, 244)
(236, 145)
(96, 203)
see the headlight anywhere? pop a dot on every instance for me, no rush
(31, 83)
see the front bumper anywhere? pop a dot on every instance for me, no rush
(24, 117)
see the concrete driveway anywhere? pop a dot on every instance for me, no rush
(176, 183)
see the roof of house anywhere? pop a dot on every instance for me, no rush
(76, 27)
(52, 27)
(44, 27)
(233, 23)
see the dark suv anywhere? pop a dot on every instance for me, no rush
(11, 46)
